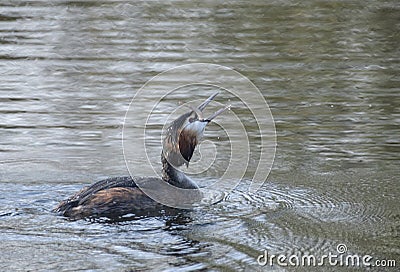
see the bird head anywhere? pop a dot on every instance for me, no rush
(186, 132)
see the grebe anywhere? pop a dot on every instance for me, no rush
(118, 196)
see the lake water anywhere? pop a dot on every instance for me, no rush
(328, 69)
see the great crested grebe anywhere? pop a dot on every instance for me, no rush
(119, 196)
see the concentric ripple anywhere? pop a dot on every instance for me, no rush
(292, 220)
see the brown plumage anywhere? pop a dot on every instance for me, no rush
(187, 144)
(111, 202)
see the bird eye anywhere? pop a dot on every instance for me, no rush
(193, 117)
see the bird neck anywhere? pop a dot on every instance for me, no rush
(176, 177)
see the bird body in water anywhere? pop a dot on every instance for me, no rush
(119, 196)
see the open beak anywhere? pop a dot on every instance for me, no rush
(202, 106)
